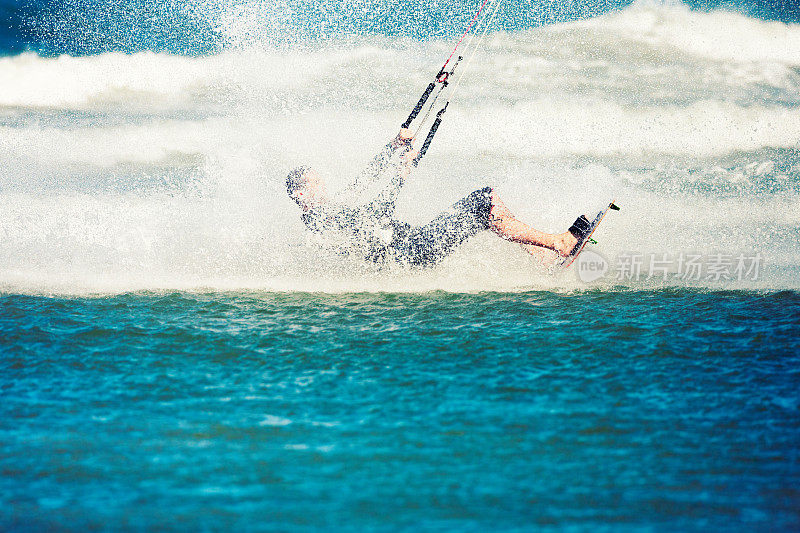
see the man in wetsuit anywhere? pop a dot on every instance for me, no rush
(372, 228)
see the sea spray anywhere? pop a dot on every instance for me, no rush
(150, 170)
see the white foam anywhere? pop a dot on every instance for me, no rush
(719, 35)
(553, 128)
(150, 80)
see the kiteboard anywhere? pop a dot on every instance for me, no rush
(566, 261)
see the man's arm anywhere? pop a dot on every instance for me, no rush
(379, 163)
(384, 204)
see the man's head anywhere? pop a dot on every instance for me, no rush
(305, 186)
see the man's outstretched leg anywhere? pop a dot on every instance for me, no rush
(481, 210)
(508, 227)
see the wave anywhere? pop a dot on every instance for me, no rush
(664, 46)
(539, 130)
(717, 35)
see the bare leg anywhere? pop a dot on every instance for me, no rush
(506, 226)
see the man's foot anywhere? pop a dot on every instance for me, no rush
(565, 243)
(574, 236)
(578, 232)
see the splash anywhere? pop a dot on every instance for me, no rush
(117, 177)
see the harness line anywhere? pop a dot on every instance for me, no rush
(477, 14)
(442, 78)
(474, 51)
(443, 74)
(435, 98)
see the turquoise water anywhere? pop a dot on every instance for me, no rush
(623, 410)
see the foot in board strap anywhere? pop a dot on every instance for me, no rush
(582, 230)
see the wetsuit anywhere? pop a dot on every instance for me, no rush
(380, 237)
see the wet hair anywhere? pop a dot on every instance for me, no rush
(296, 179)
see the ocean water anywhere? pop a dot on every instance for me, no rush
(177, 353)
(670, 410)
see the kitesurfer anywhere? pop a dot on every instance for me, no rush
(372, 229)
